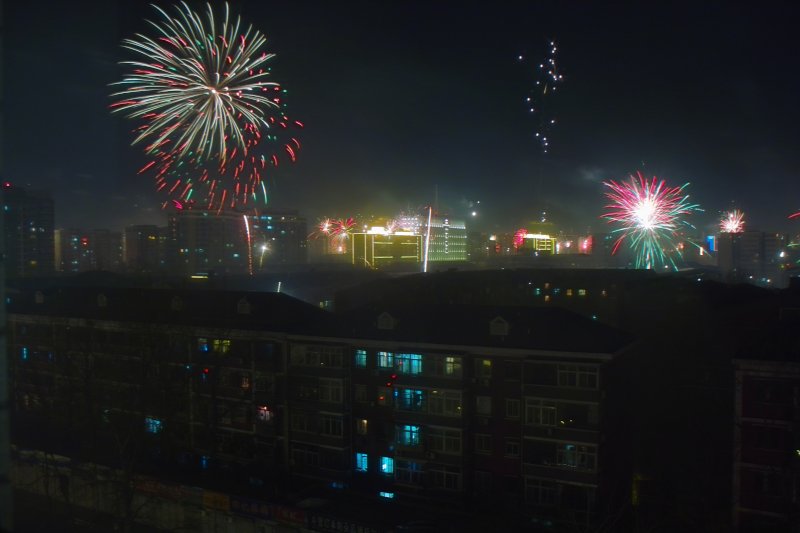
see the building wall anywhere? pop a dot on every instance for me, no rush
(29, 231)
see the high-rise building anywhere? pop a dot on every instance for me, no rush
(29, 232)
(751, 256)
(78, 250)
(141, 249)
(203, 241)
(448, 240)
(278, 238)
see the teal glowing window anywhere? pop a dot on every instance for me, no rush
(385, 360)
(23, 353)
(409, 399)
(408, 435)
(361, 358)
(387, 495)
(387, 465)
(152, 425)
(362, 462)
(409, 363)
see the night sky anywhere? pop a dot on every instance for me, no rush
(399, 98)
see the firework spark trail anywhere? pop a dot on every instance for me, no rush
(732, 222)
(547, 81)
(201, 91)
(519, 238)
(649, 214)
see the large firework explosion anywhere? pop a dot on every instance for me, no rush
(649, 215)
(207, 111)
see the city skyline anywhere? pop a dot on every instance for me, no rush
(390, 119)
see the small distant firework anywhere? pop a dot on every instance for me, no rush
(732, 222)
(649, 214)
(547, 80)
(794, 215)
(207, 111)
(519, 238)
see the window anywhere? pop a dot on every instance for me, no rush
(512, 408)
(581, 292)
(330, 425)
(361, 358)
(408, 435)
(569, 292)
(202, 344)
(221, 346)
(305, 455)
(361, 426)
(540, 412)
(385, 360)
(576, 456)
(444, 402)
(446, 477)
(361, 393)
(362, 462)
(387, 495)
(408, 363)
(23, 353)
(584, 377)
(387, 465)
(409, 399)
(540, 491)
(298, 422)
(408, 472)
(263, 414)
(152, 425)
(445, 440)
(452, 366)
(330, 390)
(512, 448)
(483, 368)
(483, 443)
(483, 405)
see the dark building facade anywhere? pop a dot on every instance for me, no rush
(29, 228)
(79, 250)
(231, 391)
(141, 248)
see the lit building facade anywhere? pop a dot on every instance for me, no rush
(448, 240)
(538, 244)
(29, 231)
(279, 238)
(85, 250)
(378, 248)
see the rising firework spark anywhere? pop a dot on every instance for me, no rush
(732, 222)
(547, 79)
(649, 214)
(207, 110)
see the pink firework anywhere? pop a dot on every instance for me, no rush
(649, 214)
(342, 228)
(519, 238)
(732, 222)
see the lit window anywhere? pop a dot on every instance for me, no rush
(581, 292)
(362, 462)
(152, 425)
(23, 353)
(409, 363)
(546, 297)
(222, 346)
(408, 435)
(387, 495)
(483, 368)
(387, 465)
(361, 358)
(409, 399)
(263, 413)
(361, 426)
(385, 359)
(202, 345)
(569, 292)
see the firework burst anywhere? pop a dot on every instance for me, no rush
(206, 108)
(519, 238)
(649, 214)
(732, 222)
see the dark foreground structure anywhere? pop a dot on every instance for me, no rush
(257, 412)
